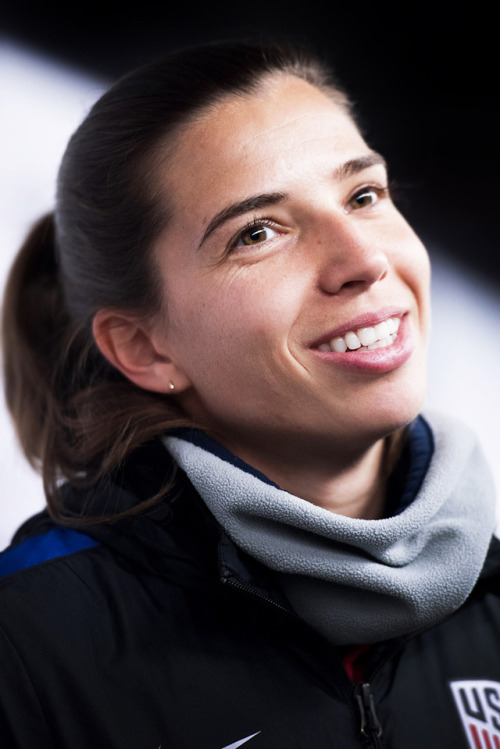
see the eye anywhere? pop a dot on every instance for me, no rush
(254, 234)
(367, 196)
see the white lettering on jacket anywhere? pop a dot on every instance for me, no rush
(478, 704)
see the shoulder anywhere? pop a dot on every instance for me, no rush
(52, 594)
(52, 571)
(43, 575)
(57, 543)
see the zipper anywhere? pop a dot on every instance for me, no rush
(233, 582)
(370, 726)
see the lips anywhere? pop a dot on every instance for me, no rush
(370, 337)
(378, 342)
(364, 320)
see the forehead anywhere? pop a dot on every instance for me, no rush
(286, 131)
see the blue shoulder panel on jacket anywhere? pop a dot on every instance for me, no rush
(57, 542)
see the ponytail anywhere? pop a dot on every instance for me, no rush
(76, 417)
(33, 317)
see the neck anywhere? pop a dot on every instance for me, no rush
(352, 485)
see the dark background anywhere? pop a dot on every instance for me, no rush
(424, 80)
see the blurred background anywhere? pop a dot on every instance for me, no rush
(424, 83)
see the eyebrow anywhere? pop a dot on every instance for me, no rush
(353, 166)
(257, 202)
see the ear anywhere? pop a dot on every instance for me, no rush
(130, 345)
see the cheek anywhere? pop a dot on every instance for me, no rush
(224, 322)
(418, 279)
(253, 303)
(422, 283)
(414, 266)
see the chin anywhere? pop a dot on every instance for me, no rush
(389, 408)
(397, 412)
(403, 397)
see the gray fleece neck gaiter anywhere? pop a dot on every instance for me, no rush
(362, 581)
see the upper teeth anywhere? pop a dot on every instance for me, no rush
(375, 336)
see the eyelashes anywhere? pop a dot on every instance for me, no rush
(255, 232)
(260, 231)
(367, 196)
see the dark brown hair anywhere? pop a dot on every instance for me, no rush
(76, 416)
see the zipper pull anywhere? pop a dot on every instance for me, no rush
(370, 724)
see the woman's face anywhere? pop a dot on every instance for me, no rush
(284, 238)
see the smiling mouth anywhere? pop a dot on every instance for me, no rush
(377, 336)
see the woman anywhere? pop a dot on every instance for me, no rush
(215, 351)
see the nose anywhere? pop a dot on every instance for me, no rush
(352, 257)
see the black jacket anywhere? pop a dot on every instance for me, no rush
(155, 631)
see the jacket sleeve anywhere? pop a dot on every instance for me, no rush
(22, 722)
